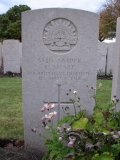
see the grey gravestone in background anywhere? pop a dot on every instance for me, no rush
(116, 68)
(20, 54)
(59, 53)
(110, 57)
(101, 58)
(0, 54)
(11, 56)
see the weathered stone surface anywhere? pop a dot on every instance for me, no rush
(59, 53)
(11, 56)
(0, 54)
(116, 68)
(101, 58)
(110, 57)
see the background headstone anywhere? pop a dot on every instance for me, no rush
(11, 56)
(110, 57)
(116, 68)
(101, 58)
(59, 53)
(20, 54)
(0, 54)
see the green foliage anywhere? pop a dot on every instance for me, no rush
(79, 158)
(67, 119)
(57, 150)
(116, 149)
(10, 22)
(96, 138)
(103, 156)
(79, 124)
(109, 12)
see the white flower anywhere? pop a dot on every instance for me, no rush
(60, 138)
(52, 114)
(100, 85)
(55, 112)
(75, 92)
(47, 127)
(69, 128)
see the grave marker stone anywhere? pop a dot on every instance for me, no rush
(11, 56)
(0, 54)
(101, 63)
(116, 68)
(20, 54)
(110, 57)
(59, 53)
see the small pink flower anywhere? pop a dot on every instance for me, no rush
(52, 106)
(43, 118)
(47, 116)
(59, 129)
(42, 109)
(115, 136)
(52, 114)
(34, 130)
(119, 132)
(72, 141)
(46, 106)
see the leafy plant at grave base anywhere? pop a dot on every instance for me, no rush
(9, 73)
(110, 73)
(79, 137)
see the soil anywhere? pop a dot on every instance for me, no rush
(11, 149)
(9, 74)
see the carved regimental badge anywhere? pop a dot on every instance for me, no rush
(60, 35)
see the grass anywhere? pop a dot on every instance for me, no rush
(104, 94)
(11, 111)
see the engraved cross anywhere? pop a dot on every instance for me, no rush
(61, 105)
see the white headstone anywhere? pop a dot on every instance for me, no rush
(59, 53)
(0, 54)
(101, 60)
(11, 56)
(110, 57)
(116, 68)
(20, 54)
